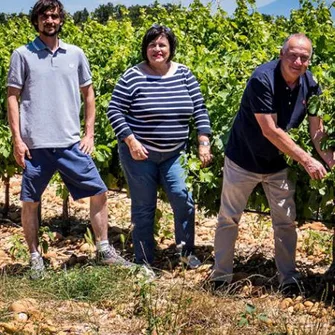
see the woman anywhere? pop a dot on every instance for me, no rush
(150, 110)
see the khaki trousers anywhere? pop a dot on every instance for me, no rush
(237, 186)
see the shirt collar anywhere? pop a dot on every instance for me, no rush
(39, 45)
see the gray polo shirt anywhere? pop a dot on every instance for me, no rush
(50, 92)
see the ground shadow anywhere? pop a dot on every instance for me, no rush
(13, 215)
(255, 270)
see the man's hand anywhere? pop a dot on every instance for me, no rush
(20, 152)
(137, 150)
(205, 155)
(314, 168)
(331, 162)
(87, 144)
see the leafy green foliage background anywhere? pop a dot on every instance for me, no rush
(222, 51)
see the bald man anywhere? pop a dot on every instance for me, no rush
(274, 101)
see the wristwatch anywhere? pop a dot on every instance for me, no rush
(205, 143)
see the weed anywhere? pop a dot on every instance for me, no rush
(250, 315)
(18, 249)
(88, 236)
(45, 235)
(317, 242)
(164, 309)
(260, 226)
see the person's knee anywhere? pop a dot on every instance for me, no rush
(143, 214)
(226, 222)
(181, 196)
(99, 198)
(29, 206)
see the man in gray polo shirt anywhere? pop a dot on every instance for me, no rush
(44, 83)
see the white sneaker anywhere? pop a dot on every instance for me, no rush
(148, 272)
(111, 257)
(37, 268)
(191, 261)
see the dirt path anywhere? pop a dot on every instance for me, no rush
(255, 271)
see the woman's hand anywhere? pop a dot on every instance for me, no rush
(205, 155)
(137, 150)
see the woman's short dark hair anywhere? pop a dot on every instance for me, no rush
(155, 31)
(41, 6)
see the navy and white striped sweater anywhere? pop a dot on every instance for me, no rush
(157, 110)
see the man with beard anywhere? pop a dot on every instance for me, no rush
(44, 83)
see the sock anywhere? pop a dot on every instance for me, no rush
(102, 245)
(35, 255)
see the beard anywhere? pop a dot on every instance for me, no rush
(51, 33)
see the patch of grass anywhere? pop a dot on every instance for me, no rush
(317, 243)
(260, 226)
(82, 284)
(161, 307)
(18, 249)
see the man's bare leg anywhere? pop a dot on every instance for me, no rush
(99, 216)
(99, 221)
(29, 219)
(30, 224)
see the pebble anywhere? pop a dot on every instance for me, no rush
(21, 317)
(85, 248)
(24, 306)
(308, 304)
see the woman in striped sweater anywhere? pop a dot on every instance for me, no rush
(150, 110)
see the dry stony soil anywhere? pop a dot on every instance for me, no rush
(252, 305)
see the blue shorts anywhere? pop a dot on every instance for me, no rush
(76, 169)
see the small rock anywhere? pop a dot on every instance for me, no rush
(298, 298)
(308, 304)
(324, 312)
(21, 317)
(286, 303)
(85, 248)
(49, 329)
(299, 307)
(24, 306)
(50, 255)
(9, 327)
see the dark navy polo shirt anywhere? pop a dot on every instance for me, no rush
(268, 93)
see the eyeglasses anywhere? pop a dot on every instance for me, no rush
(292, 57)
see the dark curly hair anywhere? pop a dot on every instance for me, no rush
(42, 6)
(155, 31)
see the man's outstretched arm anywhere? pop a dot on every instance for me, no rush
(280, 139)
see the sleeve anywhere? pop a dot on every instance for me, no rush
(200, 112)
(260, 96)
(84, 72)
(118, 107)
(17, 71)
